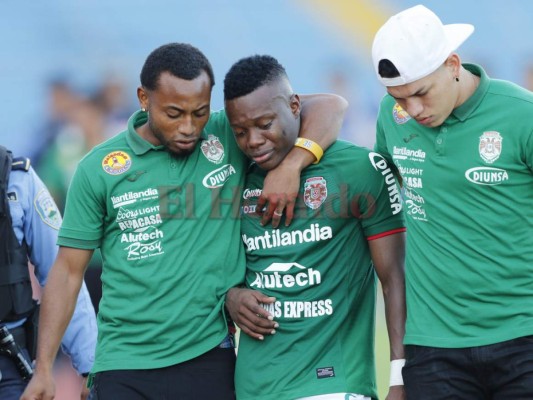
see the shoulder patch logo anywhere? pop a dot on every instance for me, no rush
(213, 149)
(490, 146)
(47, 209)
(116, 163)
(315, 192)
(399, 115)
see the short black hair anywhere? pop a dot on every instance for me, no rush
(250, 73)
(180, 59)
(387, 69)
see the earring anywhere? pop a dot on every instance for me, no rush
(143, 109)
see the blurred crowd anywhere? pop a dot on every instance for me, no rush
(75, 123)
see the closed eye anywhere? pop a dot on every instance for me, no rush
(201, 113)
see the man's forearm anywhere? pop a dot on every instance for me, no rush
(79, 339)
(394, 299)
(58, 302)
(322, 116)
(388, 254)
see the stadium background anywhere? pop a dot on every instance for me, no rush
(94, 50)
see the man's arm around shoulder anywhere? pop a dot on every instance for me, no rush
(322, 116)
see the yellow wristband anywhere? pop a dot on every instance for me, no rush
(311, 146)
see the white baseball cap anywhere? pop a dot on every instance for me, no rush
(417, 43)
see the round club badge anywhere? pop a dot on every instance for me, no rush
(116, 163)
(399, 114)
(315, 192)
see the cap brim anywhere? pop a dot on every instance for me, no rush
(457, 34)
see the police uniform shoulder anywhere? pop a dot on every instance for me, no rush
(20, 164)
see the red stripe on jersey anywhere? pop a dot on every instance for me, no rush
(383, 234)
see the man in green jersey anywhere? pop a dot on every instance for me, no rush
(463, 144)
(313, 282)
(161, 201)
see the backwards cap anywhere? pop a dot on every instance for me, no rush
(417, 43)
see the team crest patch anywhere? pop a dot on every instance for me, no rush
(490, 146)
(116, 163)
(400, 116)
(47, 209)
(315, 192)
(213, 149)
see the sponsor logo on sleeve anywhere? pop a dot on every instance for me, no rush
(212, 149)
(399, 114)
(380, 165)
(116, 162)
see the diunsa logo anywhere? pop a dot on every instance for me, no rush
(380, 165)
(487, 175)
(218, 177)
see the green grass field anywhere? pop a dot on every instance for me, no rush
(382, 348)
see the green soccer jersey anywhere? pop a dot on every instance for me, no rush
(320, 271)
(169, 232)
(468, 193)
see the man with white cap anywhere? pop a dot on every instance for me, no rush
(463, 145)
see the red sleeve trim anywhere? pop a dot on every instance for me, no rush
(383, 234)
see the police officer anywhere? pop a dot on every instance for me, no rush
(34, 220)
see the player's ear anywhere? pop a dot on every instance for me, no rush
(295, 104)
(143, 97)
(453, 62)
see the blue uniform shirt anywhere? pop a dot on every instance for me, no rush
(36, 219)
